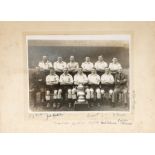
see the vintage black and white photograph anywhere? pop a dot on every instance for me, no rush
(78, 72)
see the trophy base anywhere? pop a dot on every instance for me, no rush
(81, 106)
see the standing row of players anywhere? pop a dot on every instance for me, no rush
(73, 66)
(114, 83)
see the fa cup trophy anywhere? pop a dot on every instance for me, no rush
(80, 93)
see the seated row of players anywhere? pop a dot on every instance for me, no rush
(105, 82)
(79, 78)
(73, 66)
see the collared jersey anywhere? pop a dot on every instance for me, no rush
(94, 78)
(52, 78)
(100, 65)
(45, 65)
(66, 78)
(59, 65)
(87, 66)
(116, 66)
(73, 65)
(107, 78)
(80, 78)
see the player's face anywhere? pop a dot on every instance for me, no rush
(100, 58)
(87, 59)
(114, 60)
(107, 70)
(44, 59)
(59, 59)
(80, 71)
(120, 71)
(65, 71)
(52, 71)
(72, 58)
(93, 71)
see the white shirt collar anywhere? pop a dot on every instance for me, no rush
(60, 62)
(65, 74)
(87, 62)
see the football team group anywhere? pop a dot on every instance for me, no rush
(55, 84)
